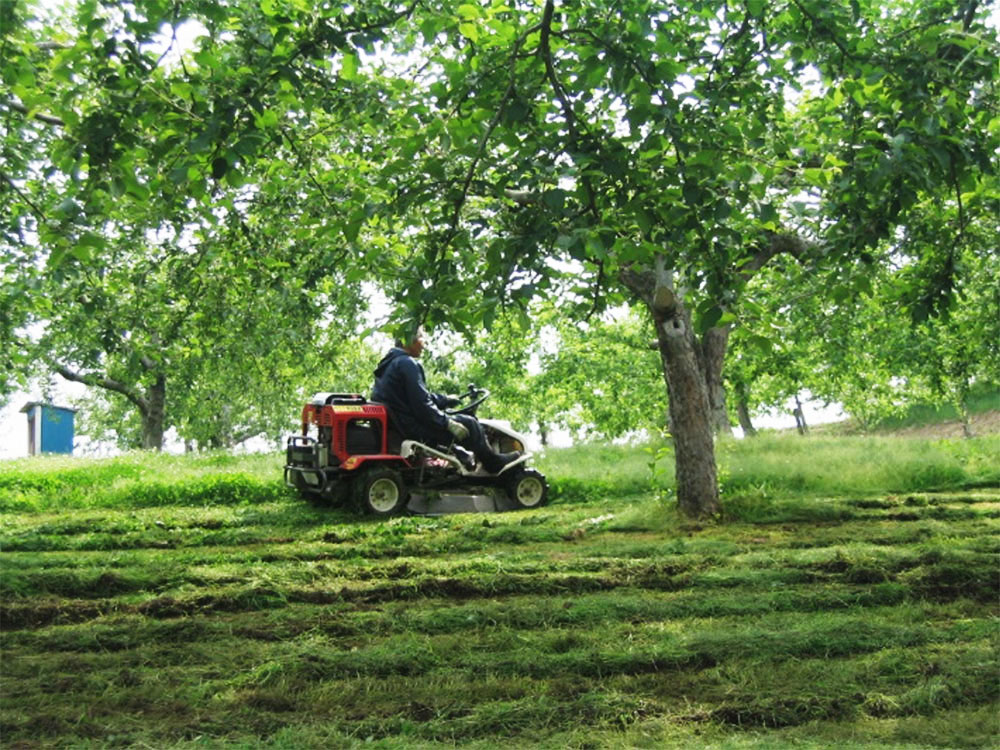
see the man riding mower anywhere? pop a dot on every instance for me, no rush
(404, 441)
(357, 454)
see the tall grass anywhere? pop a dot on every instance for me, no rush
(770, 467)
(139, 480)
(776, 466)
(783, 464)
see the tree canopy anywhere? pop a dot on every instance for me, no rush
(235, 193)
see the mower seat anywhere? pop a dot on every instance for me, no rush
(393, 437)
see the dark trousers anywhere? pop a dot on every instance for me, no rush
(475, 442)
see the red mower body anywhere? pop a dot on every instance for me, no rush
(350, 433)
(355, 451)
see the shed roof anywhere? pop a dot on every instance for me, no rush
(32, 404)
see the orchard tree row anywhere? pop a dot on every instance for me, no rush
(198, 200)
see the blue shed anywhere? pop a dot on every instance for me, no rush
(50, 428)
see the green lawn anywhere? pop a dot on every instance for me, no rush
(192, 602)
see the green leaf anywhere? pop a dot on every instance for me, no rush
(133, 187)
(768, 213)
(267, 119)
(353, 228)
(469, 31)
(90, 239)
(554, 199)
(235, 179)
(349, 67)
(220, 166)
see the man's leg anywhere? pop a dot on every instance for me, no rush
(492, 461)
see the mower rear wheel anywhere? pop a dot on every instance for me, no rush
(528, 489)
(381, 492)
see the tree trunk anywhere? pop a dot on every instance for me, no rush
(694, 444)
(744, 413)
(800, 417)
(151, 404)
(690, 422)
(961, 400)
(713, 353)
(153, 415)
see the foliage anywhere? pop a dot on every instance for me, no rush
(807, 330)
(594, 379)
(982, 399)
(484, 157)
(169, 259)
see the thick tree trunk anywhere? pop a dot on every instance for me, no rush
(693, 371)
(151, 404)
(694, 446)
(153, 415)
(690, 420)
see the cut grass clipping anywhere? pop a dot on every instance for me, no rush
(156, 601)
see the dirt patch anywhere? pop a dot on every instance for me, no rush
(985, 423)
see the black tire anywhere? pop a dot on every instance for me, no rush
(381, 492)
(527, 489)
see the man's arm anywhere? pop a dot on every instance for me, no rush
(421, 401)
(443, 401)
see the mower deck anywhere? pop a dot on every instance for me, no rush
(444, 503)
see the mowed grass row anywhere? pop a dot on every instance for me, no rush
(853, 620)
(312, 557)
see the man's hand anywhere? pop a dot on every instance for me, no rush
(459, 430)
(451, 402)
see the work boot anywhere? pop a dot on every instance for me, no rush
(500, 460)
(465, 457)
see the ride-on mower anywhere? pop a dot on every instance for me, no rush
(356, 452)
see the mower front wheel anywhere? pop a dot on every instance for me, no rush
(528, 489)
(381, 492)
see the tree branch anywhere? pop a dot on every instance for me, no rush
(35, 209)
(108, 384)
(818, 26)
(47, 119)
(545, 51)
(777, 243)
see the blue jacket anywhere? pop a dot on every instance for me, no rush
(401, 386)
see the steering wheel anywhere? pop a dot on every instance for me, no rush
(475, 396)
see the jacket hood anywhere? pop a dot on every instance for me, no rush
(391, 356)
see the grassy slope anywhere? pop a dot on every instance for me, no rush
(175, 602)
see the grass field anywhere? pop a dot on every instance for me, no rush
(849, 599)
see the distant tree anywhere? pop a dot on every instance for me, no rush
(863, 335)
(164, 218)
(206, 339)
(597, 379)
